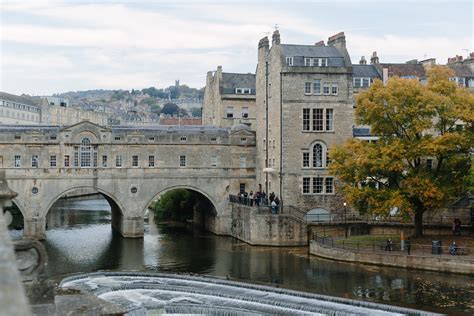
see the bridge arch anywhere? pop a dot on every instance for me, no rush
(206, 219)
(117, 209)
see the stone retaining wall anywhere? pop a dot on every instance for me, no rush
(433, 263)
(266, 229)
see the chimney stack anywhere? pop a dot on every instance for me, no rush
(276, 37)
(319, 44)
(362, 61)
(338, 40)
(374, 59)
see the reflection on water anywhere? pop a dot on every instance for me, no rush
(87, 244)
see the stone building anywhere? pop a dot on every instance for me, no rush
(18, 110)
(463, 71)
(304, 105)
(229, 99)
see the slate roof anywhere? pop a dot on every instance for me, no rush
(309, 51)
(28, 128)
(405, 70)
(366, 71)
(17, 99)
(230, 81)
(462, 71)
(187, 129)
(299, 52)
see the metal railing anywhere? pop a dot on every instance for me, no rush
(263, 205)
(395, 248)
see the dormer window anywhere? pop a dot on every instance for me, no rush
(242, 91)
(315, 62)
(289, 61)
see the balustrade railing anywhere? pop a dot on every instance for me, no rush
(395, 248)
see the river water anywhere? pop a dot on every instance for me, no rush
(80, 239)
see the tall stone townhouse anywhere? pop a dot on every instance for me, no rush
(304, 105)
(229, 99)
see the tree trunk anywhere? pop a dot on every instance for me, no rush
(419, 223)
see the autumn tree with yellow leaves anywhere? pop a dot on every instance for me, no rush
(421, 161)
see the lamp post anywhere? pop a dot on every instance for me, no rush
(345, 217)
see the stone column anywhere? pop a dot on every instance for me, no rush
(131, 227)
(35, 228)
(13, 300)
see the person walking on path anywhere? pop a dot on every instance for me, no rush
(408, 245)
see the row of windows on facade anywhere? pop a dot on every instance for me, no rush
(20, 106)
(183, 139)
(230, 112)
(318, 120)
(318, 185)
(18, 115)
(90, 159)
(315, 87)
(309, 62)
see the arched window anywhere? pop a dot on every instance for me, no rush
(85, 152)
(318, 155)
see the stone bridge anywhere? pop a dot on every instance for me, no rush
(129, 166)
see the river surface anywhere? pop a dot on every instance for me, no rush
(80, 239)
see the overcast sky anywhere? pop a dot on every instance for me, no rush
(57, 46)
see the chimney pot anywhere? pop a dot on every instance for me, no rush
(276, 37)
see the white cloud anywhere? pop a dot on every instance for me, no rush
(122, 45)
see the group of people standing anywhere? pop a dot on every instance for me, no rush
(260, 198)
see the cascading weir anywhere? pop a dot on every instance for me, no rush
(183, 294)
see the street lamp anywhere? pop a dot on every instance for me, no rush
(345, 214)
(345, 217)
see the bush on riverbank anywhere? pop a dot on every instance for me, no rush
(176, 205)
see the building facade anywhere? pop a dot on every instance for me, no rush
(229, 99)
(304, 106)
(18, 110)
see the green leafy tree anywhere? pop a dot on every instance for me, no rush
(170, 108)
(421, 160)
(176, 205)
(155, 108)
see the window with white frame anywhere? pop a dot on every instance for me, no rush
(328, 158)
(243, 162)
(326, 89)
(317, 86)
(306, 119)
(329, 185)
(329, 119)
(182, 161)
(243, 90)
(34, 161)
(318, 119)
(323, 62)
(289, 61)
(306, 185)
(318, 154)
(305, 159)
(52, 161)
(17, 161)
(230, 111)
(104, 161)
(308, 62)
(214, 161)
(245, 112)
(76, 156)
(318, 185)
(334, 89)
(85, 152)
(134, 161)
(307, 88)
(151, 161)
(118, 161)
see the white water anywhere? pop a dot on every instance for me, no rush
(212, 296)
